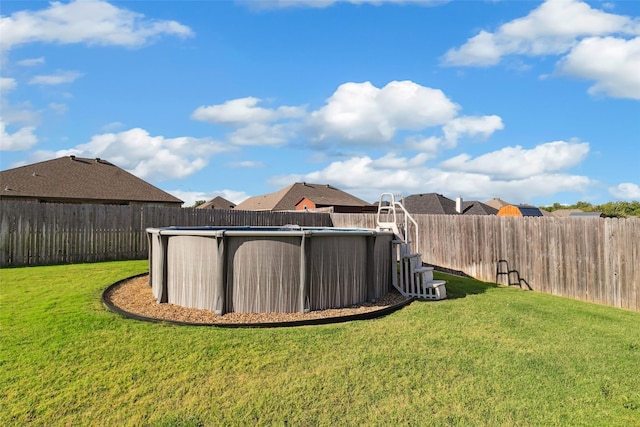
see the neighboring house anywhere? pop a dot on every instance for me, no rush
(496, 203)
(437, 204)
(217, 203)
(79, 180)
(519, 210)
(305, 196)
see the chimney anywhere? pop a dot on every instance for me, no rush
(459, 204)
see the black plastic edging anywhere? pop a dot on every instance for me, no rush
(317, 321)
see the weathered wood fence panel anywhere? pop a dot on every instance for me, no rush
(595, 260)
(46, 233)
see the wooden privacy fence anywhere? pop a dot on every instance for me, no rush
(46, 233)
(590, 259)
(596, 260)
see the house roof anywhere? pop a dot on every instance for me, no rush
(74, 178)
(288, 197)
(429, 203)
(496, 203)
(217, 203)
(474, 207)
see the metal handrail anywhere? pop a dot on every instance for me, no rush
(391, 208)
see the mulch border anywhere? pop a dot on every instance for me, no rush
(307, 322)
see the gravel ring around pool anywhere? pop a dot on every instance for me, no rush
(132, 298)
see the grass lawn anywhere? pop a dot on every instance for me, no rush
(489, 355)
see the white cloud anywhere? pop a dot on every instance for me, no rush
(7, 84)
(592, 44)
(612, 62)
(31, 62)
(472, 126)
(480, 179)
(261, 134)
(149, 157)
(362, 113)
(518, 163)
(273, 4)
(61, 77)
(247, 164)
(625, 191)
(244, 111)
(191, 197)
(90, 22)
(20, 140)
(551, 28)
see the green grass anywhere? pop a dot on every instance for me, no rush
(489, 355)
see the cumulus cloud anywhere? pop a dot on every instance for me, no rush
(244, 111)
(367, 179)
(613, 63)
(362, 113)
(518, 163)
(472, 126)
(625, 191)
(592, 44)
(61, 77)
(551, 28)
(356, 114)
(149, 157)
(90, 22)
(21, 139)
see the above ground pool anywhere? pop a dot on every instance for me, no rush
(268, 269)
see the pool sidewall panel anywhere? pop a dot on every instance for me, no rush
(338, 276)
(192, 271)
(263, 274)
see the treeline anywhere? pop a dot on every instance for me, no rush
(610, 209)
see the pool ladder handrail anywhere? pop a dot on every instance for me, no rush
(415, 279)
(387, 205)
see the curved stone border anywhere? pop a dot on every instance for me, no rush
(317, 321)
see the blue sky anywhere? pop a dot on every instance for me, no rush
(531, 102)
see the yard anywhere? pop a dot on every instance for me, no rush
(489, 355)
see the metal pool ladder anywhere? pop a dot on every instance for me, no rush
(409, 276)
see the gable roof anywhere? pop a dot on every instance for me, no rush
(73, 179)
(288, 197)
(429, 203)
(475, 207)
(496, 203)
(217, 203)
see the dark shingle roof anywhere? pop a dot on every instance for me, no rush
(477, 208)
(429, 203)
(69, 179)
(288, 197)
